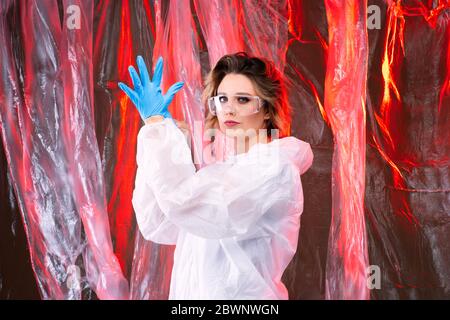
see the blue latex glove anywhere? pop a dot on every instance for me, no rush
(147, 96)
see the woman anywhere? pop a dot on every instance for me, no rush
(235, 222)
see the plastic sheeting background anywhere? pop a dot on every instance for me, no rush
(373, 105)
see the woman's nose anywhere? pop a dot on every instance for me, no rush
(231, 112)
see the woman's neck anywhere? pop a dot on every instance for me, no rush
(249, 142)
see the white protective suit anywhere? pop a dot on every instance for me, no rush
(235, 223)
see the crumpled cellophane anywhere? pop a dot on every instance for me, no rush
(374, 106)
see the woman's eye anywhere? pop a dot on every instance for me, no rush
(223, 99)
(243, 100)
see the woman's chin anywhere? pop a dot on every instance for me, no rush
(234, 132)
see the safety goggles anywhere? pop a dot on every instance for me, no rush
(243, 105)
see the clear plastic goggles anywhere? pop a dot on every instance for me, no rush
(243, 105)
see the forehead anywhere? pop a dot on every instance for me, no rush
(233, 83)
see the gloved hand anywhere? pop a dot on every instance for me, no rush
(147, 96)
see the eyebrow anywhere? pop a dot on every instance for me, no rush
(237, 93)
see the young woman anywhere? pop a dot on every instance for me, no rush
(235, 223)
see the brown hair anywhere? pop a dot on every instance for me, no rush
(268, 86)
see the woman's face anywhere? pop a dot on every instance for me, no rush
(238, 84)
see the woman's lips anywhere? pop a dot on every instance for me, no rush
(231, 123)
